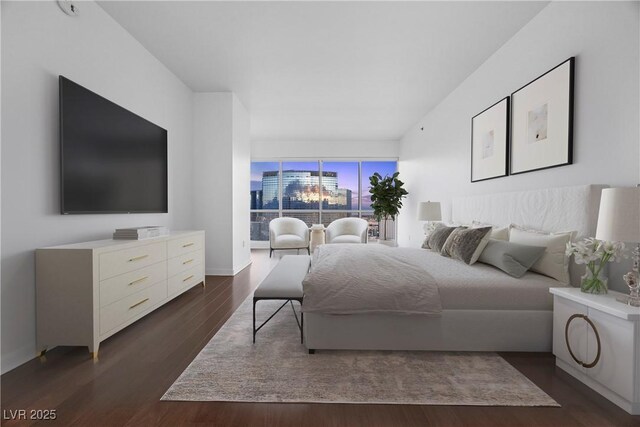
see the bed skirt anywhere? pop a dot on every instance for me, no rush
(454, 330)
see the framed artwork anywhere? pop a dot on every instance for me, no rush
(490, 142)
(542, 121)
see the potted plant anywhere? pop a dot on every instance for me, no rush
(386, 199)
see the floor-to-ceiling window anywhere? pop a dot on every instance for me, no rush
(315, 191)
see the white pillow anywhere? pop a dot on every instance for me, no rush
(554, 262)
(497, 233)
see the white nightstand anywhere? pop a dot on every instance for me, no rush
(604, 337)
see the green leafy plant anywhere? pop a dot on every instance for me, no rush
(386, 197)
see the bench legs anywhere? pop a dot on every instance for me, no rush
(300, 322)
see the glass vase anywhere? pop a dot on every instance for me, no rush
(594, 284)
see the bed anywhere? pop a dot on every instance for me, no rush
(483, 309)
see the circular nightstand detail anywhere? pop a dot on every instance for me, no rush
(566, 340)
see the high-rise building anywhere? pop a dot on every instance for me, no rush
(300, 189)
(256, 199)
(270, 182)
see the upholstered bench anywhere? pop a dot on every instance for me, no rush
(284, 282)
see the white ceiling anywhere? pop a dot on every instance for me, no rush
(310, 71)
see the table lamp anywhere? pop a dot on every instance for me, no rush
(619, 221)
(429, 211)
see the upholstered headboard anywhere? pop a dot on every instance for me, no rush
(551, 209)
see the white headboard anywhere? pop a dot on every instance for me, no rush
(550, 209)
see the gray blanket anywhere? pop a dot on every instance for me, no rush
(352, 278)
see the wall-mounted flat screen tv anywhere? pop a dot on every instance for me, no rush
(112, 160)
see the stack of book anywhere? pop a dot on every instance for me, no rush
(140, 233)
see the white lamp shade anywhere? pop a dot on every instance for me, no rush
(429, 211)
(619, 216)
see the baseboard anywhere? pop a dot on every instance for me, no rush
(242, 266)
(218, 271)
(226, 271)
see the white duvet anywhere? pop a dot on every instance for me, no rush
(351, 279)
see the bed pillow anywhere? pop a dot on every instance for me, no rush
(554, 262)
(428, 230)
(449, 242)
(512, 258)
(439, 236)
(466, 244)
(497, 233)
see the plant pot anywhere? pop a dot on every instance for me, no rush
(387, 229)
(594, 284)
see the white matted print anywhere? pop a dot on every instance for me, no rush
(541, 120)
(489, 142)
(537, 124)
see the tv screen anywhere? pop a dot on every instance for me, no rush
(112, 161)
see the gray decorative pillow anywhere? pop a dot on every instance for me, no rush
(466, 244)
(428, 230)
(439, 236)
(512, 258)
(425, 244)
(450, 241)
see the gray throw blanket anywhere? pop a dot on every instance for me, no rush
(355, 278)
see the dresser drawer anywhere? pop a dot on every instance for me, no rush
(124, 261)
(118, 287)
(185, 279)
(129, 307)
(183, 245)
(184, 262)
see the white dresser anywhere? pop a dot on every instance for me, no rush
(604, 337)
(86, 292)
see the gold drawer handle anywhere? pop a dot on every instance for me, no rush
(566, 339)
(142, 279)
(138, 258)
(190, 277)
(138, 303)
(188, 244)
(188, 261)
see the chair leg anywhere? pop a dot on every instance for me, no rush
(254, 321)
(270, 252)
(301, 326)
(308, 251)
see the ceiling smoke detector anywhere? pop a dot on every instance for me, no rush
(69, 7)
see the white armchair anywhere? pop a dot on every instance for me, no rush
(288, 233)
(347, 230)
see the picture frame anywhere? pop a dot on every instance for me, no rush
(542, 121)
(490, 142)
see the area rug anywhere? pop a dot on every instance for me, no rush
(277, 368)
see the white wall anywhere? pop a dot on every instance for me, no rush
(212, 168)
(241, 184)
(604, 38)
(324, 149)
(39, 42)
(221, 162)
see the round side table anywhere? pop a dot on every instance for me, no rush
(317, 236)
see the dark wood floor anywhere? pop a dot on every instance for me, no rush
(137, 365)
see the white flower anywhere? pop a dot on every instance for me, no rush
(592, 251)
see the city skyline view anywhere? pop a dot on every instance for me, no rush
(302, 197)
(346, 179)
